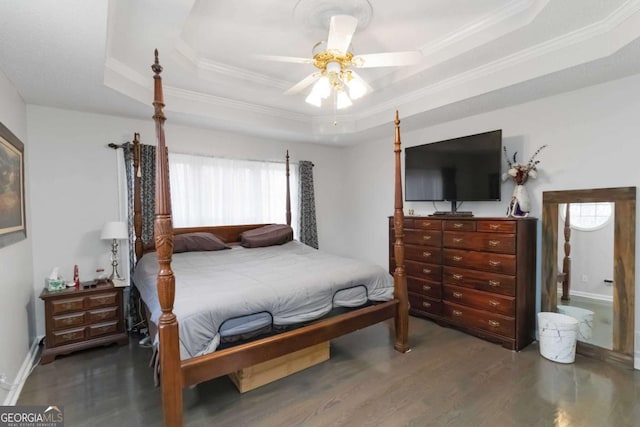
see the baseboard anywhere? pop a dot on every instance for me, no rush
(636, 358)
(23, 373)
(589, 295)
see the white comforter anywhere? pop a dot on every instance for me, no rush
(292, 282)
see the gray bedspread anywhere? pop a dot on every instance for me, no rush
(292, 282)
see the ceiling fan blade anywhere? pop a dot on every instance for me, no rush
(292, 59)
(390, 59)
(302, 84)
(341, 29)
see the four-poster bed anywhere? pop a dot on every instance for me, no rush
(176, 373)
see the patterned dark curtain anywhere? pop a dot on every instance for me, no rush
(147, 173)
(308, 226)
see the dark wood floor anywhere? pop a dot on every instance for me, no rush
(449, 379)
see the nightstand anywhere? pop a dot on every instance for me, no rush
(77, 319)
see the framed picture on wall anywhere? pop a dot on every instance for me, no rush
(13, 226)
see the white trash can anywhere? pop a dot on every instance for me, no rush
(584, 318)
(558, 334)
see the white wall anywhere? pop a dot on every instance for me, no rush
(74, 175)
(593, 136)
(17, 325)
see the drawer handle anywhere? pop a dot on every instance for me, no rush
(458, 225)
(67, 321)
(68, 336)
(102, 315)
(457, 313)
(426, 271)
(457, 276)
(457, 258)
(426, 304)
(102, 300)
(494, 283)
(494, 303)
(494, 226)
(426, 287)
(494, 324)
(66, 306)
(457, 240)
(426, 237)
(494, 243)
(426, 254)
(494, 263)
(427, 224)
(457, 294)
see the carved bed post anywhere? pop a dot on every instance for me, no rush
(399, 277)
(566, 261)
(137, 203)
(170, 370)
(288, 190)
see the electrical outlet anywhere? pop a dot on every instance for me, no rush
(585, 278)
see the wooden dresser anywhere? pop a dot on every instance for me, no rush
(477, 274)
(77, 319)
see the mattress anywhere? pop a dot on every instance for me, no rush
(237, 290)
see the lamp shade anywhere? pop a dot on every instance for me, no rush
(115, 230)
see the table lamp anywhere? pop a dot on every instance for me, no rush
(115, 230)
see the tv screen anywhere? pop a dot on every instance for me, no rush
(461, 169)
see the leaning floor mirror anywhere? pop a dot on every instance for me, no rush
(588, 267)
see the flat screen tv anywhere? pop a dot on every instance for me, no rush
(461, 169)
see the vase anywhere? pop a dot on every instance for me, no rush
(520, 205)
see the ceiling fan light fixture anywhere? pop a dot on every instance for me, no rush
(342, 100)
(313, 99)
(357, 88)
(322, 88)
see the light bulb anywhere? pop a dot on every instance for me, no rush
(343, 101)
(357, 89)
(313, 99)
(322, 88)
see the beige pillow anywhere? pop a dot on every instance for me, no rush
(269, 235)
(201, 241)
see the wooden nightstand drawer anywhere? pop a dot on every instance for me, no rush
(490, 322)
(68, 321)
(490, 282)
(102, 300)
(103, 329)
(460, 225)
(424, 304)
(67, 336)
(97, 316)
(428, 224)
(67, 305)
(420, 270)
(424, 287)
(490, 242)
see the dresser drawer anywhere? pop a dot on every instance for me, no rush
(406, 223)
(423, 254)
(100, 315)
(67, 305)
(67, 336)
(103, 329)
(67, 321)
(460, 225)
(491, 242)
(497, 226)
(421, 270)
(481, 300)
(424, 304)
(428, 224)
(423, 237)
(497, 263)
(470, 317)
(424, 287)
(102, 300)
(491, 282)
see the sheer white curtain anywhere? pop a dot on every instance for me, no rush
(218, 191)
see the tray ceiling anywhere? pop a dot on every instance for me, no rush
(96, 55)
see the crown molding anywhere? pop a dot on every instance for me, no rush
(606, 27)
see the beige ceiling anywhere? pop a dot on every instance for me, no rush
(476, 56)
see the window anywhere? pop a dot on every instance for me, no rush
(588, 216)
(216, 191)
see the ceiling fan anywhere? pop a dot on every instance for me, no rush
(335, 65)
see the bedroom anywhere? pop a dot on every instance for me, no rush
(580, 112)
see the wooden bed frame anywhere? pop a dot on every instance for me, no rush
(175, 373)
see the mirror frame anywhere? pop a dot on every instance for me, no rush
(624, 248)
